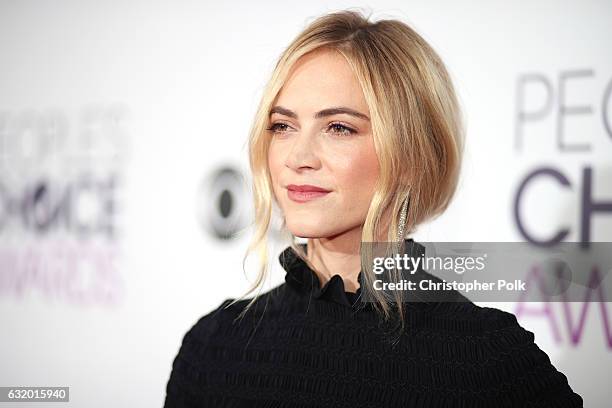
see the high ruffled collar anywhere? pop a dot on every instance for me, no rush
(305, 280)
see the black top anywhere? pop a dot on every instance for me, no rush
(319, 346)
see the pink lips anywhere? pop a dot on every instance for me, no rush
(305, 192)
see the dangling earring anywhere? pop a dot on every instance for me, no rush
(402, 219)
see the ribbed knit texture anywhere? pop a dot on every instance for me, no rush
(303, 345)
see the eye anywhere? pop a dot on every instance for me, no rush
(334, 128)
(340, 129)
(278, 127)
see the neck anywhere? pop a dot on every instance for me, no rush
(337, 255)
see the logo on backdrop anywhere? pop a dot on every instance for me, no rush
(576, 108)
(60, 188)
(223, 203)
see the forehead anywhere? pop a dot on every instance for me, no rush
(320, 79)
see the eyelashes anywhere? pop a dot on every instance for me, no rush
(274, 128)
(335, 128)
(344, 130)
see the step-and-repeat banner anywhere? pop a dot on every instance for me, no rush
(124, 182)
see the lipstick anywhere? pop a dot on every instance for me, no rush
(305, 192)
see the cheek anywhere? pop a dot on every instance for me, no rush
(273, 161)
(275, 165)
(357, 174)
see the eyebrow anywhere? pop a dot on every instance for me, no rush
(322, 113)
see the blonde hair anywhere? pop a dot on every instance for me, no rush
(416, 122)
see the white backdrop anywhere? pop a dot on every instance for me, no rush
(116, 119)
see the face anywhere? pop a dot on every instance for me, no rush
(321, 139)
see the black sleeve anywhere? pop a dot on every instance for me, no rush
(522, 374)
(181, 389)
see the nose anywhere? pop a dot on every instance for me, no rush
(303, 151)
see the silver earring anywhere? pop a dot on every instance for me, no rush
(402, 219)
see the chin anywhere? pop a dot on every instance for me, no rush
(310, 230)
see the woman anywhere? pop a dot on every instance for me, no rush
(358, 138)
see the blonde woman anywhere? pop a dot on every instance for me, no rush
(358, 138)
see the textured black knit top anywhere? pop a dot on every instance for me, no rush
(303, 345)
